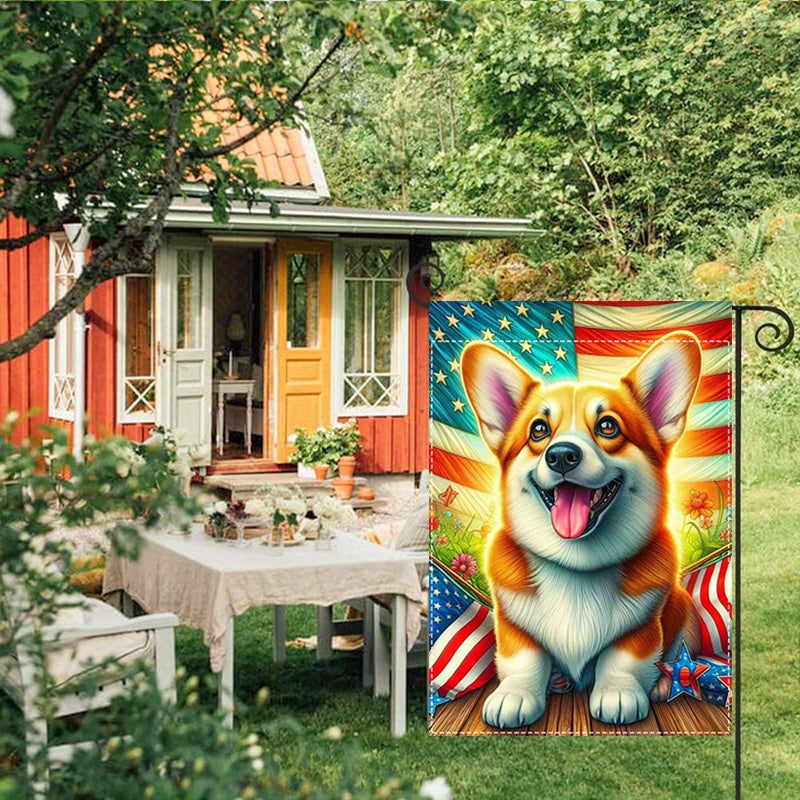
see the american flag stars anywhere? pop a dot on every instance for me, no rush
(524, 329)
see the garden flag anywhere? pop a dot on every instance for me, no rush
(580, 522)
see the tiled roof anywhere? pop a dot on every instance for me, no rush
(279, 154)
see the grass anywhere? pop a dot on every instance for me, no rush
(319, 696)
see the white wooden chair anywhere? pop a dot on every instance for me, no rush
(103, 642)
(411, 537)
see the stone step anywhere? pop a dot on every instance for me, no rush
(245, 485)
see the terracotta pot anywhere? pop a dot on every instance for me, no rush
(343, 488)
(347, 466)
(366, 493)
(320, 471)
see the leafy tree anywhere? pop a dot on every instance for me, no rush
(117, 104)
(381, 135)
(629, 126)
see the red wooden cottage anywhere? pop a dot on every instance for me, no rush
(308, 308)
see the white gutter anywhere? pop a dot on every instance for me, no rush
(78, 235)
(333, 220)
(282, 194)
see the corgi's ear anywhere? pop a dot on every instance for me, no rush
(496, 388)
(664, 381)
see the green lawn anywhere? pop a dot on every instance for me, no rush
(320, 696)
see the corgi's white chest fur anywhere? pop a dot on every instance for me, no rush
(573, 615)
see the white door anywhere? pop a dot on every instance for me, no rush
(184, 323)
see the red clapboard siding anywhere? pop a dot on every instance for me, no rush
(38, 303)
(18, 288)
(4, 300)
(100, 359)
(400, 454)
(23, 299)
(135, 431)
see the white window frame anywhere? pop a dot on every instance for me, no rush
(338, 333)
(123, 417)
(61, 373)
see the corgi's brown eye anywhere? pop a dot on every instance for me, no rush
(607, 426)
(539, 430)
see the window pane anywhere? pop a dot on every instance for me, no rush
(139, 326)
(385, 320)
(139, 366)
(303, 300)
(357, 308)
(62, 381)
(189, 311)
(373, 376)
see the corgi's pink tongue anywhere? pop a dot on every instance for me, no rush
(570, 512)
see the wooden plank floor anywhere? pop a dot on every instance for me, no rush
(568, 715)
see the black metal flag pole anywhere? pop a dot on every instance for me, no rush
(780, 341)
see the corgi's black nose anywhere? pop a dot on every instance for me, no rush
(563, 457)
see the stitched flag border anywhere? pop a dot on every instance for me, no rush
(565, 342)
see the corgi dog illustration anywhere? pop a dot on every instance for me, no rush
(583, 570)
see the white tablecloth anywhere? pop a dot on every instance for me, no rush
(206, 583)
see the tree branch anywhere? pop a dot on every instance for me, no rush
(221, 150)
(66, 214)
(39, 156)
(108, 261)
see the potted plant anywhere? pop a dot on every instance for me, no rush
(345, 442)
(312, 450)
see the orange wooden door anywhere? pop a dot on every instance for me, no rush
(303, 348)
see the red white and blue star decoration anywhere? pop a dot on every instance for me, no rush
(684, 674)
(716, 681)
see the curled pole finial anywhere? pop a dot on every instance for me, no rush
(428, 274)
(777, 343)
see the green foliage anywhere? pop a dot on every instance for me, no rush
(129, 486)
(171, 751)
(611, 122)
(326, 445)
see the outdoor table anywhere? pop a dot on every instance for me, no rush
(208, 583)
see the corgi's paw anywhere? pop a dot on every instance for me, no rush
(512, 705)
(619, 705)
